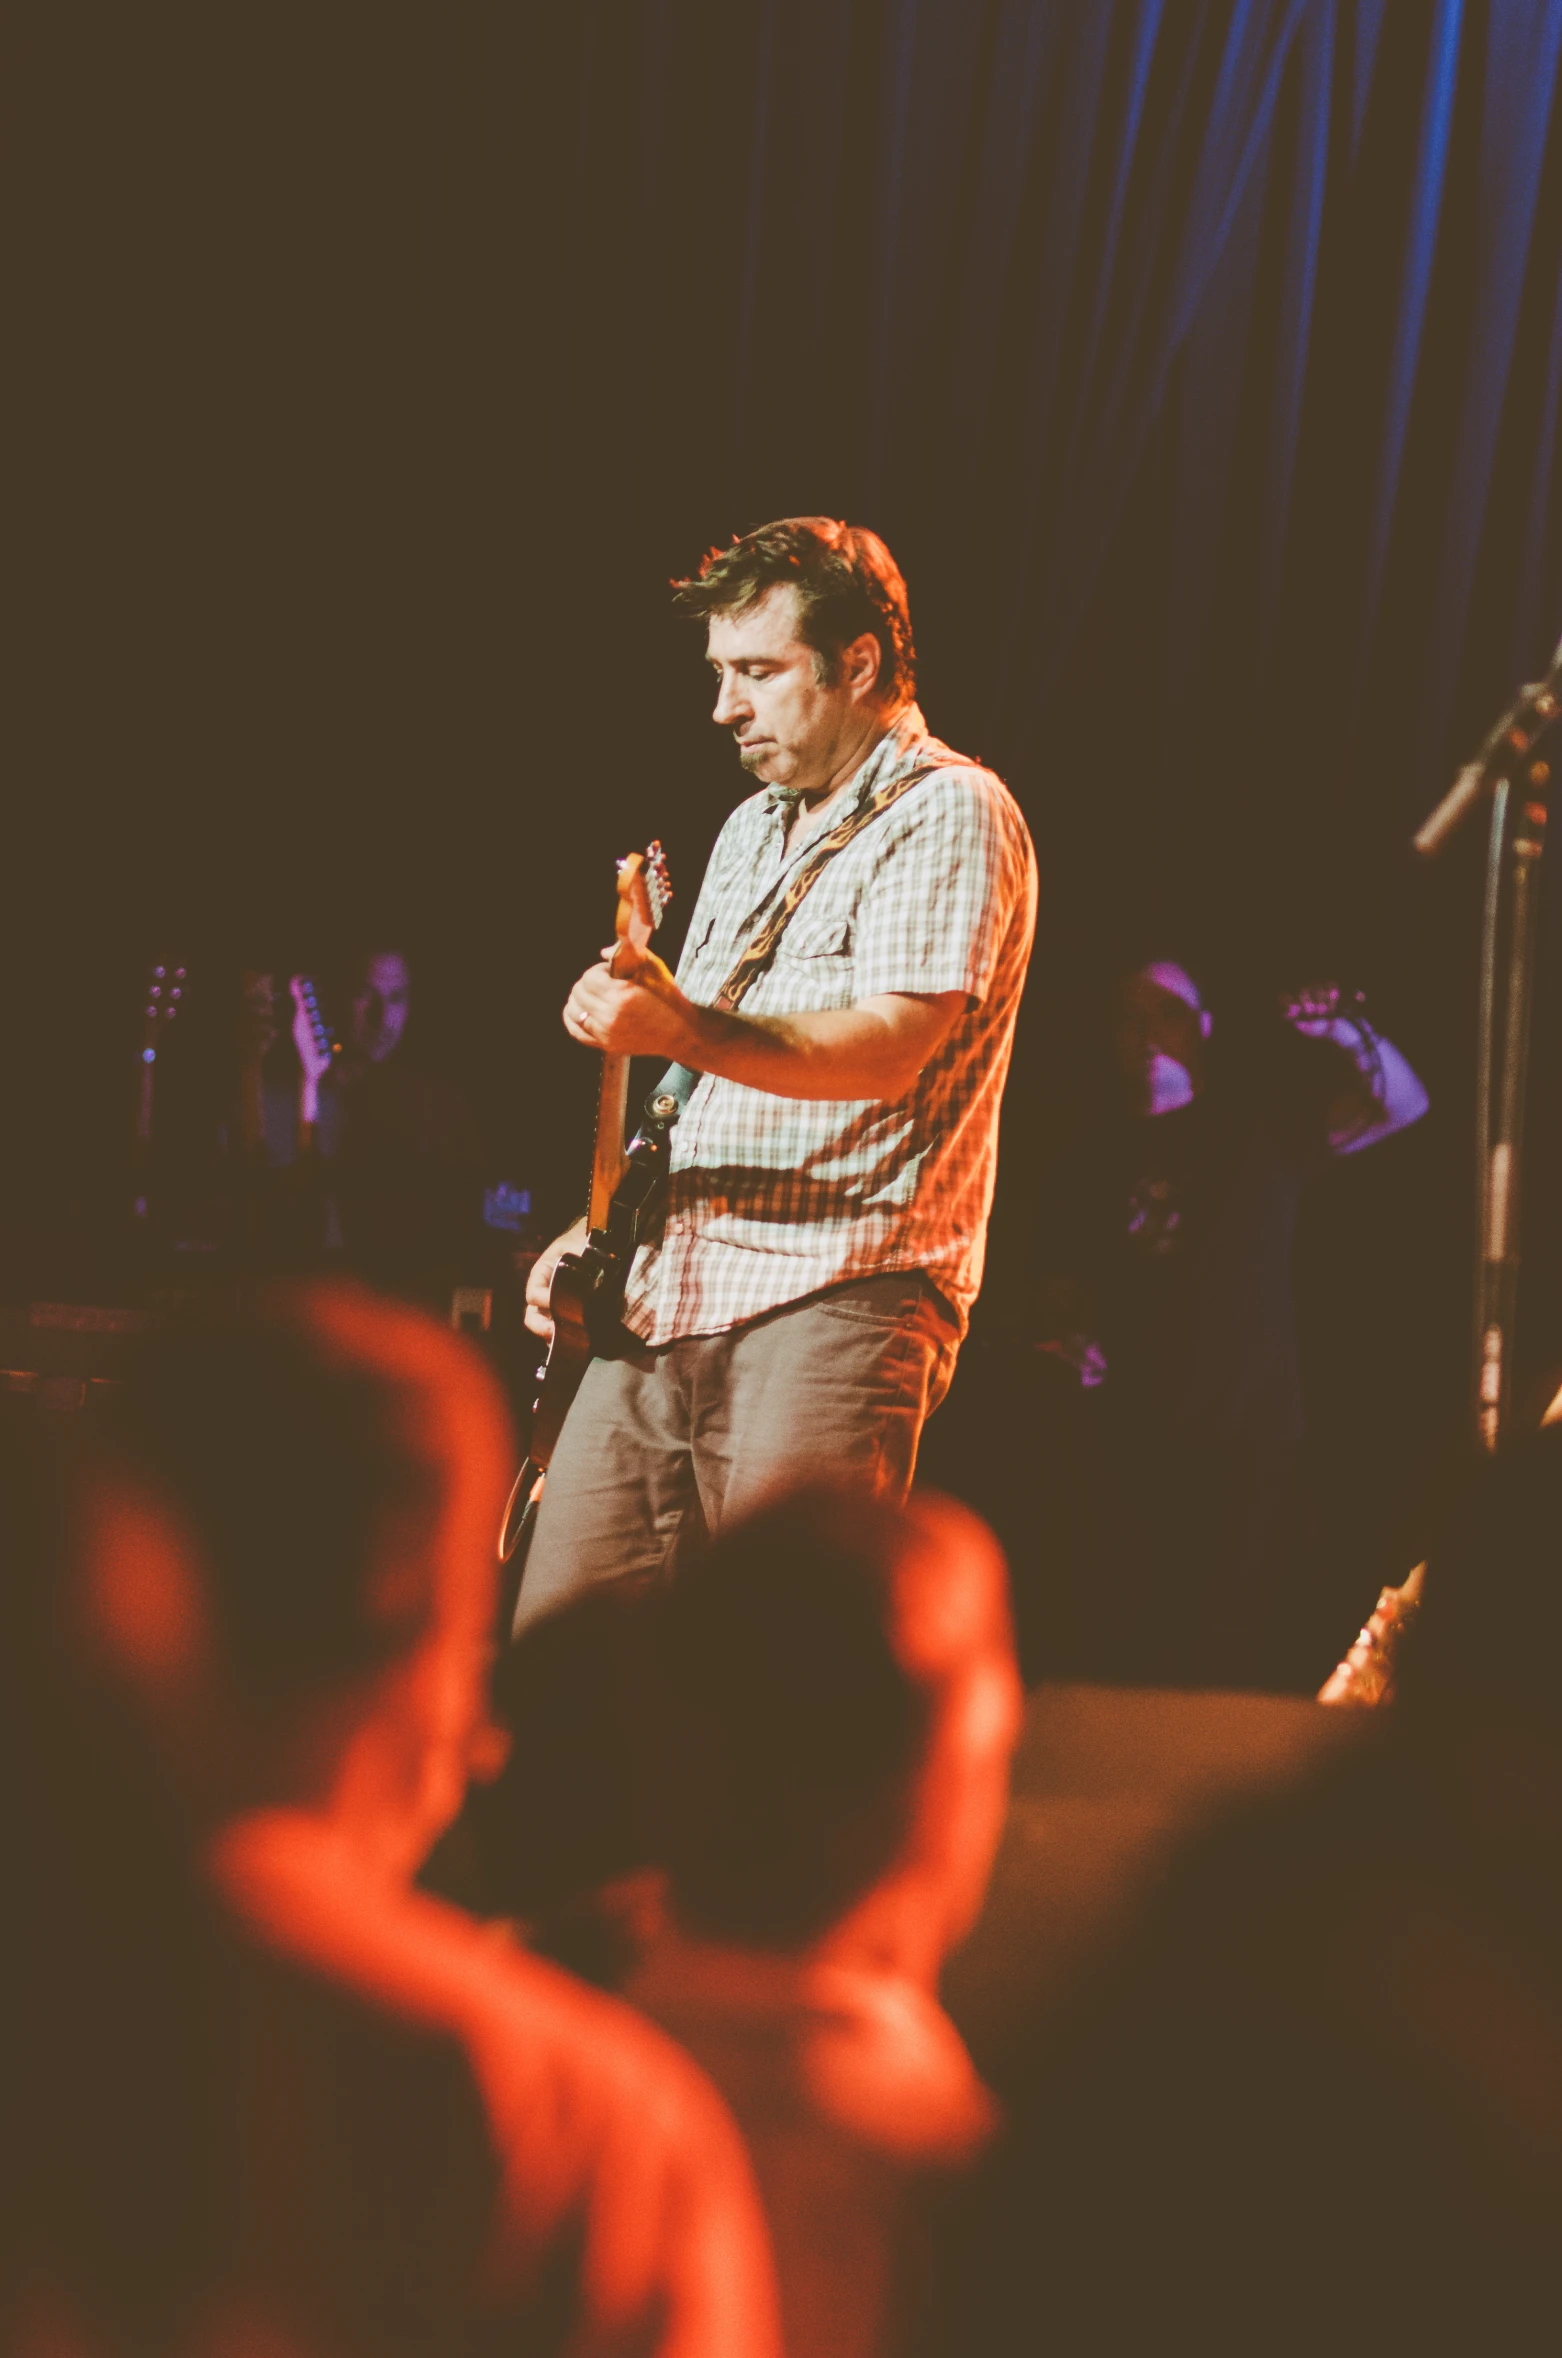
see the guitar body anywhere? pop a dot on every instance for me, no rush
(587, 1293)
(583, 1302)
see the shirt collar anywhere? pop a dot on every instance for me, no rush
(894, 751)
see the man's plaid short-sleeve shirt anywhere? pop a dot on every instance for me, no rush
(771, 1198)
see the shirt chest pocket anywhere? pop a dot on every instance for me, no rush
(808, 939)
(814, 966)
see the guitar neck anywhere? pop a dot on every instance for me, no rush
(608, 1160)
(643, 893)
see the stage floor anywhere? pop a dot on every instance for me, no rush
(1106, 1782)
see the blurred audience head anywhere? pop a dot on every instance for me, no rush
(288, 1554)
(377, 1000)
(109, 2234)
(840, 1701)
(1319, 2069)
(564, 1816)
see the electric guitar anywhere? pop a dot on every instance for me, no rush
(309, 997)
(161, 998)
(328, 1046)
(588, 1287)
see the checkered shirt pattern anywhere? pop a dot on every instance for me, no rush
(770, 1198)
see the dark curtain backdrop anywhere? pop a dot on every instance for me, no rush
(1201, 362)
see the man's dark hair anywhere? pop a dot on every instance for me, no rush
(792, 1734)
(572, 1695)
(846, 582)
(303, 1474)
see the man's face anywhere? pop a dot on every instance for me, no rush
(377, 1010)
(790, 727)
(1158, 1037)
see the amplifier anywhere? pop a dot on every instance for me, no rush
(62, 1353)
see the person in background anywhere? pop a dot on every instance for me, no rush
(428, 2141)
(838, 1702)
(382, 1157)
(1166, 1243)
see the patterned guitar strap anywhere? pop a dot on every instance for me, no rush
(678, 1083)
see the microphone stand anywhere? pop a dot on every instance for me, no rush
(1511, 771)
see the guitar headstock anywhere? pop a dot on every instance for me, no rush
(162, 997)
(257, 1016)
(644, 890)
(325, 1038)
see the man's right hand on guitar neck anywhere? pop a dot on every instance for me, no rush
(540, 1283)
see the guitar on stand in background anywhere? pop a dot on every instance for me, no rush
(326, 1046)
(275, 1123)
(588, 1286)
(161, 998)
(257, 1036)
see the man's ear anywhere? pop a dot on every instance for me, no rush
(860, 666)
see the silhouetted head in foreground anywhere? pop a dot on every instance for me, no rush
(566, 1815)
(104, 2130)
(840, 1704)
(1319, 2076)
(288, 1555)
(109, 2147)
(269, 1601)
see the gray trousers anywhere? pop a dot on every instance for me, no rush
(692, 1434)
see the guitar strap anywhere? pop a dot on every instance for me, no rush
(678, 1083)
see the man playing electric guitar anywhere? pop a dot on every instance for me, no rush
(831, 1175)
